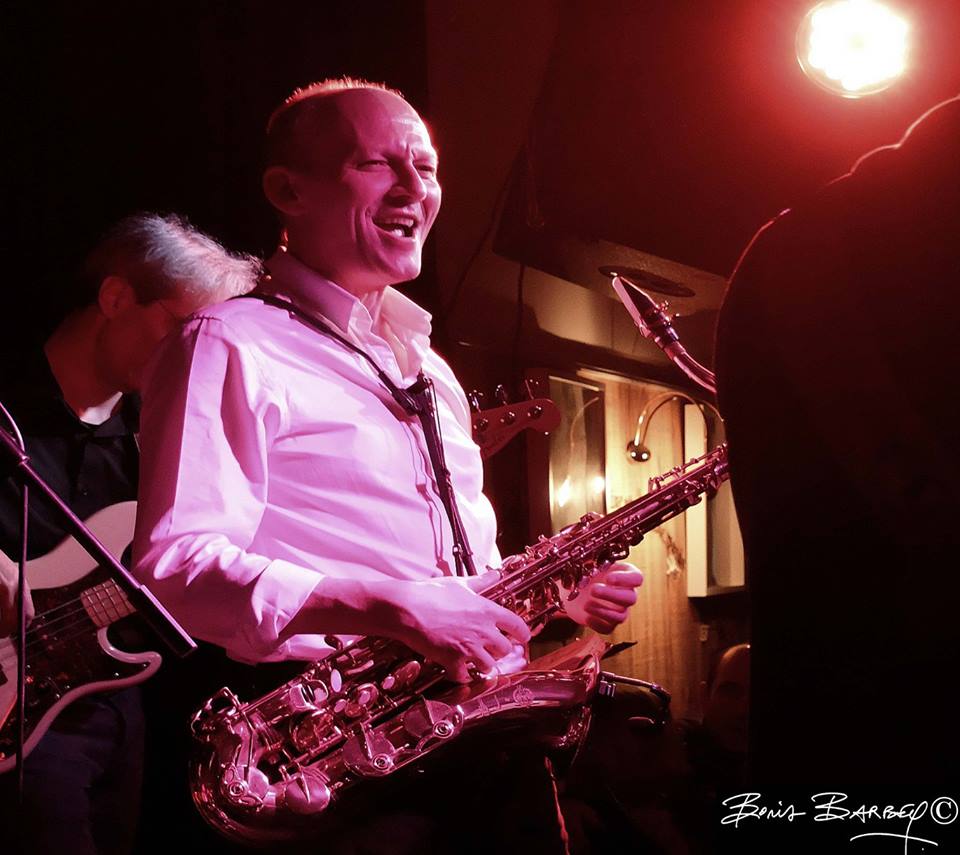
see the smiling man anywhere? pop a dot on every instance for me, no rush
(354, 177)
(290, 497)
(288, 492)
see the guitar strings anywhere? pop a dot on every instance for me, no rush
(63, 639)
(35, 635)
(63, 605)
(7, 662)
(74, 605)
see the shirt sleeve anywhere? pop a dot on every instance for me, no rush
(209, 417)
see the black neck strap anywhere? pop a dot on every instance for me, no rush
(417, 400)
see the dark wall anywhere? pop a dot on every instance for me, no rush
(677, 128)
(117, 107)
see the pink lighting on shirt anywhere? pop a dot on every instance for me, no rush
(273, 457)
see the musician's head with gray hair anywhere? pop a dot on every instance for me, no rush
(164, 257)
(144, 277)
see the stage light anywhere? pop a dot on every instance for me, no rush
(853, 47)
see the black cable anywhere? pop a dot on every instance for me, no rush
(518, 329)
(418, 400)
(430, 421)
(448, 306)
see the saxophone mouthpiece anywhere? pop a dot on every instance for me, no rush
(650, 318)
(653, 322)
(639, 278)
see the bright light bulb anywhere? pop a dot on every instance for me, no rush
(598, 484)
(853, 47)
(563, 494)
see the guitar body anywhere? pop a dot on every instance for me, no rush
(69, 654)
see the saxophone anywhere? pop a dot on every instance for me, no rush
(281, 766)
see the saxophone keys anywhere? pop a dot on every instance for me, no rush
(245, 785)
(432, 718)
(368, 753)
(307, 794)
(312, 730)
(401, 676)
(298, 698)
(351, 709)
(361, 699)
(367, 694)
(616, 552)
(360, 667)
(336, 680)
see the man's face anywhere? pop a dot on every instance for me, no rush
(370, 195)
(130, 337)
(727, 711)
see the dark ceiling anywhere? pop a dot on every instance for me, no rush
(677, 128)
(113, 107)
(671, 127)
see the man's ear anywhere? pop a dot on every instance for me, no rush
(280, 188)
(116, 295)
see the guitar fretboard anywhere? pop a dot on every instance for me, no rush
(106, 603)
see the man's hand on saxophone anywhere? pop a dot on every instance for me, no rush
(604, 601)
(444, 619)
(470, 636)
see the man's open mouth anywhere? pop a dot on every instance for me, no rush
(398, 226)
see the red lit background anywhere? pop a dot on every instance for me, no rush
(671, 127)
(677, 128)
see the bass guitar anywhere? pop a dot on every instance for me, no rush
(69, 653)
(494, 428)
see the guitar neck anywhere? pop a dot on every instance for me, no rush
(106, 603)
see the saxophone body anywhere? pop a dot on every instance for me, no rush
(279, 767)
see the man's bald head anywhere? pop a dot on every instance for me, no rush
(352, 173)
(726, 713)
(308, 130)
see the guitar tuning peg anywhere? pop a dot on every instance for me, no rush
(501, 394)
(476, 400)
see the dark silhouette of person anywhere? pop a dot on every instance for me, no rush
(837, 357)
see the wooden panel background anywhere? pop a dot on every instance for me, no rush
(676, 637)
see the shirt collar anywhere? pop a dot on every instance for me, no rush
(402, 324)
(40, 408)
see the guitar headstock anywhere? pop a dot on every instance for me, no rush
(493, 428)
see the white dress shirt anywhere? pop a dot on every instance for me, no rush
(273, 456)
